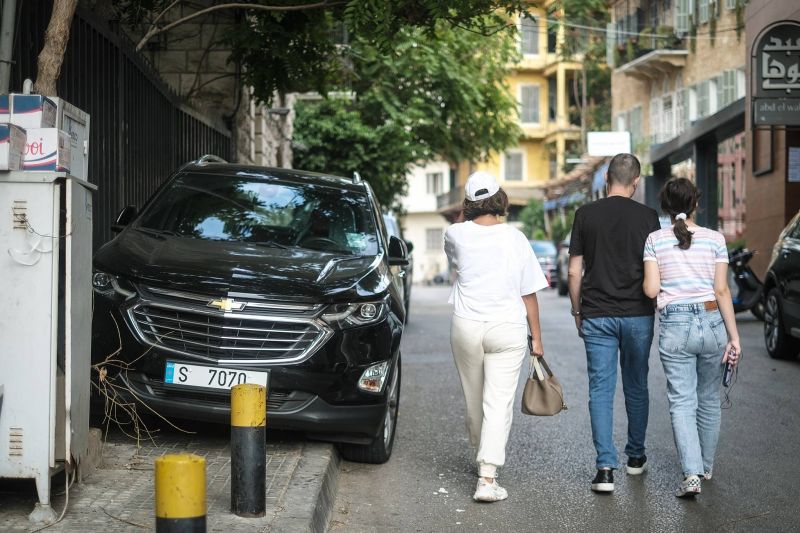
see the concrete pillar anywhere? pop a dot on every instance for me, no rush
(561, 155)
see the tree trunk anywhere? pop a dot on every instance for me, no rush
(584, 110)
(55, 44)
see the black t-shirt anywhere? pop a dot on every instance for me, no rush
(610, 235)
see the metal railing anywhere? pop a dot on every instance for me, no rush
(140, 131)
(452, 197)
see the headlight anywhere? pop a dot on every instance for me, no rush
(108, 285)
(353, 315)
(374, 377)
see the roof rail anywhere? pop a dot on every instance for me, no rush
(209, 158)
(356, 177)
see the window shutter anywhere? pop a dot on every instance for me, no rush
(530, 104)
(513, 164)
(529, 34)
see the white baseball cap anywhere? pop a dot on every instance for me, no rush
(480, 186)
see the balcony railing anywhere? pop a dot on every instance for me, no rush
(451, 198)
(633, 47)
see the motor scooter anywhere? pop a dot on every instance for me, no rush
(747, 290)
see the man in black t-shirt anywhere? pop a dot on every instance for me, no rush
(612, 313)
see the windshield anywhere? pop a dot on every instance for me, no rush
(263, 211)
(543, 248)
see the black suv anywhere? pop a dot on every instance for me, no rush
(782, 294)
(233, 274)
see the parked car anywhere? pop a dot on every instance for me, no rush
(546, 254)
(562, 266)
(782, 294)
(407, 272)
(234, 274)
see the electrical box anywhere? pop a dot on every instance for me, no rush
(45, 326)
(76, 124)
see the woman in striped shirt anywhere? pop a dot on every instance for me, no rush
(686, 268)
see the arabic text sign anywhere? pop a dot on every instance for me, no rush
(776, 111)
(776, 61)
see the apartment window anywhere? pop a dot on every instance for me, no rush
(683, 8)
(741, 83)
(529, 103)
(512, 162)
(730, 4)
(667, 118)
(728, 88)
(620, 122)
(529, 35)
(703, 99)
(552, 95)
(703, 11)
(655, 120)
(435, 182)
(433, 239)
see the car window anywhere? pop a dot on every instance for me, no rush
(257, 210)
(543, 248)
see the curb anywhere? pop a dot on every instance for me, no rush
(308, 502)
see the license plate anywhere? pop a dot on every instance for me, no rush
(210, 377)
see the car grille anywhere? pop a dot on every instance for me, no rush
(217, 336)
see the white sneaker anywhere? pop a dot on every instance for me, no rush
(489, 492)
(690, 487)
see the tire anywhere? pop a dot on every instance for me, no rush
(380, 449)
(780, 345)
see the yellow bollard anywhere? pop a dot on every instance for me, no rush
(180, 494)
(249, 450)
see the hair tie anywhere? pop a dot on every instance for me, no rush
(680, 216)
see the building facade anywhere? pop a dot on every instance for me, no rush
(678, 87)
(540, 81)
(422, 224)
(772, 131)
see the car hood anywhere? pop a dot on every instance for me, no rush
(219, 268)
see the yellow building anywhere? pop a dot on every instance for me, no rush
(541, 82)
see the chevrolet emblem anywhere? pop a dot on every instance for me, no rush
(226, 304)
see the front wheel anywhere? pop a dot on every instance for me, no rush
(780, 345)
(380, 449)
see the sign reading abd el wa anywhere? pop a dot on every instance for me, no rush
(776, 69)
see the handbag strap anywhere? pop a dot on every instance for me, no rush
(536, 368)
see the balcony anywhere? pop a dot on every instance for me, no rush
(652, 55)
(450, 200)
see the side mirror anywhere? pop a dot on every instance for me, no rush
(124, 218)
(398, 254)
(409, 246)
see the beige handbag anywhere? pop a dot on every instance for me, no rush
(542, 395)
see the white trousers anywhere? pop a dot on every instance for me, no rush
(488, 357)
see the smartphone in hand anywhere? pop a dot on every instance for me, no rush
(727, 376)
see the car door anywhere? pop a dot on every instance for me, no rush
(789, 259)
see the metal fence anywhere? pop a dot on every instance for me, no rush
(140, 131)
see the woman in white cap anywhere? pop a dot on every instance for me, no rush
(494, 307)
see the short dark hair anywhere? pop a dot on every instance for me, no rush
(496, 204)
(623, 169)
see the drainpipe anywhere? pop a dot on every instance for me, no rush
(7, 43)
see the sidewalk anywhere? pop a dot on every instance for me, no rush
(118, 496)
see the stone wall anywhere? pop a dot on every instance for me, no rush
(194, 61)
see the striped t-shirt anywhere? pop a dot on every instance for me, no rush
(687, 276)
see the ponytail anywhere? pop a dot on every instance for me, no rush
(681, 231)
(679, 198)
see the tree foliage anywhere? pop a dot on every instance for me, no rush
(334, 137)
(592, 45)
(532, 218)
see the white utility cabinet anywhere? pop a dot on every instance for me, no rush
(45, 326)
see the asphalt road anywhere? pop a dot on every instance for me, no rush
(550, 461)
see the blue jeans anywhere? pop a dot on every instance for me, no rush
(606, 338)
(691, 344)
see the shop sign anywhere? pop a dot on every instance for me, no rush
(776, 69)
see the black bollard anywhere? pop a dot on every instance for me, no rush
(249, 450)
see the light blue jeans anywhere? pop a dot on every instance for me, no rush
(691, 344)
(627, 340)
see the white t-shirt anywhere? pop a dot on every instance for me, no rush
(496, 266)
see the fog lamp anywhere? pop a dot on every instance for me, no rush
(374, 377)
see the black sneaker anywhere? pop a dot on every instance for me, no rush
(636, 465)
(603, 481)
